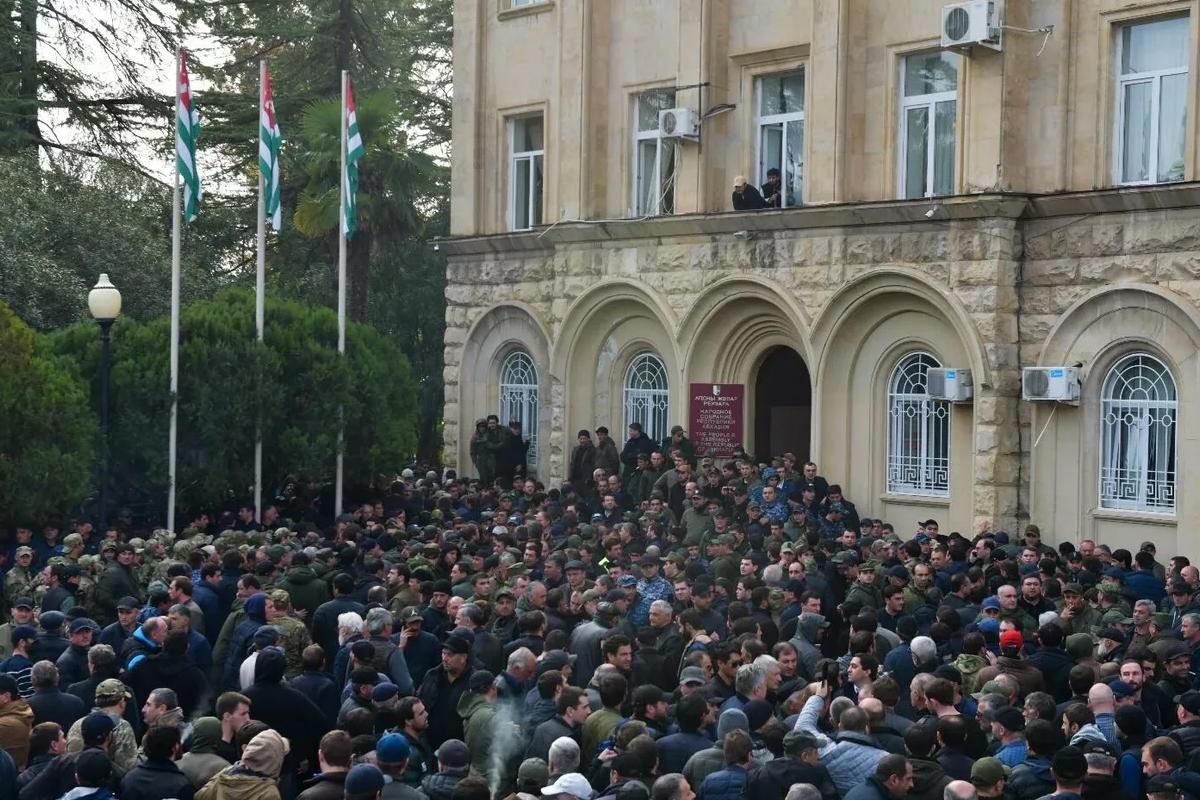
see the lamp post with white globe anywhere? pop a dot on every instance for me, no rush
(104, 303)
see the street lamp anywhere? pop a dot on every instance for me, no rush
(104, 303)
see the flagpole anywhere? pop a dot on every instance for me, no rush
(339, 480)
(260, 282)
(176, 213)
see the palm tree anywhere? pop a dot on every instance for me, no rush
(396, 186)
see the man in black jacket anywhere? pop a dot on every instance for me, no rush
(118, 581)
(442, 688)
(746, 198)
(324, 621)
(157, 777)
(571, 709)
(797, 765)
(49, 704)
(58, 777)
(1053, 661)
(50, 642)
(290, 713)
(73, 664)
(511, 455)
(172, 669)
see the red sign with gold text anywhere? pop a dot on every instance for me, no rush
(716, 416)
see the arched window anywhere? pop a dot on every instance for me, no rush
(646, 391)
(519, 397)
(918, 445)
(1138, 411)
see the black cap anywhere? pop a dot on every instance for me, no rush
(52, 620)
(1162, 784)
(457, 645)
(1010, 718)
(1189, 701)
(23, 602)
(648, 694)
(128, 603)
(480, 680)
(1069, 763)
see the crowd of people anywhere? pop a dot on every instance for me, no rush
(663, 624)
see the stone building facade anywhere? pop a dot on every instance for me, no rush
(1035, 245)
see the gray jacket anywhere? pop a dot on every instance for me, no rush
(851, 759)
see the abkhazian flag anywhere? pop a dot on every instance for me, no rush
(187, 130)
(354, 152)
(269, 141)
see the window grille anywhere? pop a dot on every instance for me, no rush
(646, 395)
(1139, 411)
(519, 397)
(918, 446)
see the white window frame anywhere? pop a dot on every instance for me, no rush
(930, 102)
(655, 208)
(519, 398)
(1136, 417)
(646, 394)
(1155, 79)
(515, 158)
(762, 121)
(925, 473)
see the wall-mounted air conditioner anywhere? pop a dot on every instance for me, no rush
(949, 384)
(965, 25)
(1059, 384)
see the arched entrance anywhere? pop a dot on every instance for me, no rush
(782, 405)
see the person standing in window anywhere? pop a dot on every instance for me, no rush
(772, 190)
(510, 462)
(745, 196)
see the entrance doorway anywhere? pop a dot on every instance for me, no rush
(782, 406)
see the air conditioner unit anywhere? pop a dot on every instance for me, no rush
(1050, 383)
(973, 23)
(678, 123)
(949, 384)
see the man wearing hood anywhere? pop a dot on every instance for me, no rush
(255, 616)
(286, 710)
(201, 761)
(157, 777)
(306, 590)
(256, 775)
(1079, 727)
(809, 630)
(477, 708)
